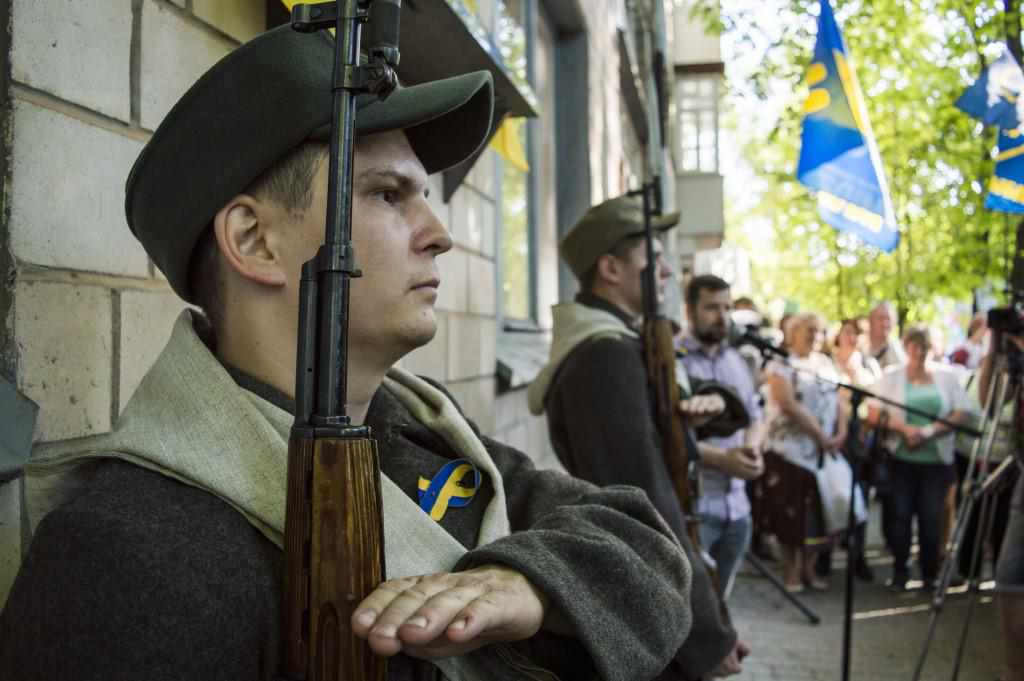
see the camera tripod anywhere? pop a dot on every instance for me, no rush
(981, 488)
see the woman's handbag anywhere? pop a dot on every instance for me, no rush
(835, 477)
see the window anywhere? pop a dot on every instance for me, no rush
(697, 103)
(517, 267)
(516, 238)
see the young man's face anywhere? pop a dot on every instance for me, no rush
(710, 315)
(633, 263)
(396, 237)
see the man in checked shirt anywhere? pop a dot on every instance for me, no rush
(726, 462)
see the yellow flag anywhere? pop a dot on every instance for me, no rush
(508, 143)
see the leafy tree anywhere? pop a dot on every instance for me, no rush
(913, 59)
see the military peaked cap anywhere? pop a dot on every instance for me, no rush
(254, 106)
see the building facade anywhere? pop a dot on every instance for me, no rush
(84, 312)
(699, 76)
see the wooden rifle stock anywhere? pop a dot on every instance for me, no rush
(660, 360)
(333, 555)
(334, 526)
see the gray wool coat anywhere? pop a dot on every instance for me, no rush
(141, 577)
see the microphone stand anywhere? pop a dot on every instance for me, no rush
(857, 394)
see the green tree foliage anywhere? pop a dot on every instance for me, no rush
(913, 59)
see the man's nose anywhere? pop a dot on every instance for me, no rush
(664, 271)
(432, 236)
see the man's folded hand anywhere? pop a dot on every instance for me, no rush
(447, 614)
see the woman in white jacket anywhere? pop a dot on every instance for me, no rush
(805, 425)
(921, 470)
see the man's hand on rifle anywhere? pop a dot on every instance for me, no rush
(448, 614)
(700, 409)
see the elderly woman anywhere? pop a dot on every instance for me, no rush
(805, 424)
(855, 366)
(920, 469)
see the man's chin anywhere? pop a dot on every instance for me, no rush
(422, 332)
(712, 338)
(418, 340)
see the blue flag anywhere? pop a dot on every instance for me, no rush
(995, 97)
(1006, 188)
(838, 156)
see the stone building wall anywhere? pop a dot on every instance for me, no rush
(87, 311)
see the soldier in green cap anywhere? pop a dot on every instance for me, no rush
(157, 547)
(595, 393)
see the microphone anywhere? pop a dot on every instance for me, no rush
(751, 337)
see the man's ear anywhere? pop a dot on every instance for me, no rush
(243, 236)
(609, 268)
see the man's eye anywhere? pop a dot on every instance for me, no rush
(387, 195)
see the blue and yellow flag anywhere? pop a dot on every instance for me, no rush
(838, 156)
(1006, 188)
(994, 98)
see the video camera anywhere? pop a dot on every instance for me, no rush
(1008, 319)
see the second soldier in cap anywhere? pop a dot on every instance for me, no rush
(595, 394)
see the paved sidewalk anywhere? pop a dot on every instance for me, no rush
(888, 631)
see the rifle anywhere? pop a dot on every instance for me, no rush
(334, 530)
(679, 445)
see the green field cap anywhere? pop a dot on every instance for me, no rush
(254, 106)
(605, 225)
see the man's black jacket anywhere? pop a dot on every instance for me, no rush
(603, 429)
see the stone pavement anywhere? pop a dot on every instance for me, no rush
(888, 631)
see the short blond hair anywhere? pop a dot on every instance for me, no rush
(800, 320)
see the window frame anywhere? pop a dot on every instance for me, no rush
(530, 323)
(697, 105)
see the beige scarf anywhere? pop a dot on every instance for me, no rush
(574, 324)
(190, 421)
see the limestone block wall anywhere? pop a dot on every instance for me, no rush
(91, 80)
(86, 311)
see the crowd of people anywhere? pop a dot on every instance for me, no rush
(911, 461)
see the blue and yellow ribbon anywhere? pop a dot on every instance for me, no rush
(454, 486)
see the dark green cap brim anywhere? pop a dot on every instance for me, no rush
(605, 225)
(253, 107)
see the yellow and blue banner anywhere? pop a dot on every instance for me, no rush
(838, 155)
(994, 98)
(1006, 188)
